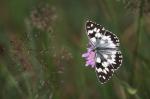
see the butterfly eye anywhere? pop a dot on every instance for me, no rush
(91, 25)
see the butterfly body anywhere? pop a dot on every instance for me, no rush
(105, 44)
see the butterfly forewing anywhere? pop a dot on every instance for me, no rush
(94, 31)
(113, 37)
(108, 57)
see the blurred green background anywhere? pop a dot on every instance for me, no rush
(41, 43)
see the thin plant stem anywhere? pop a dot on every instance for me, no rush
(137, 48)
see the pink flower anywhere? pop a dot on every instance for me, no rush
(89, 57)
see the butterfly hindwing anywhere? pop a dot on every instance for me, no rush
(104, 73)
(118, 60)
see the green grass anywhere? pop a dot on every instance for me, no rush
(41, 44)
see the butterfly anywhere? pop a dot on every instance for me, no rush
(108, 57)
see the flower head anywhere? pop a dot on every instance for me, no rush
(89, 57)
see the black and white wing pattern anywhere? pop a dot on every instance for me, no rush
(93, 31)
(108, 57)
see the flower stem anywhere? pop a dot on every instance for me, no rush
(137, 48)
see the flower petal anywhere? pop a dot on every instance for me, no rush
(89, 57)
(85, 55)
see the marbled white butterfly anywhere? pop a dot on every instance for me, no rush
(108, 57)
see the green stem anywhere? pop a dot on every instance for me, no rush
(137, 48)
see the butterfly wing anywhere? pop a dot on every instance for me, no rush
(109, 62)
(93, 31)
(104, 70)
(111, 57)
